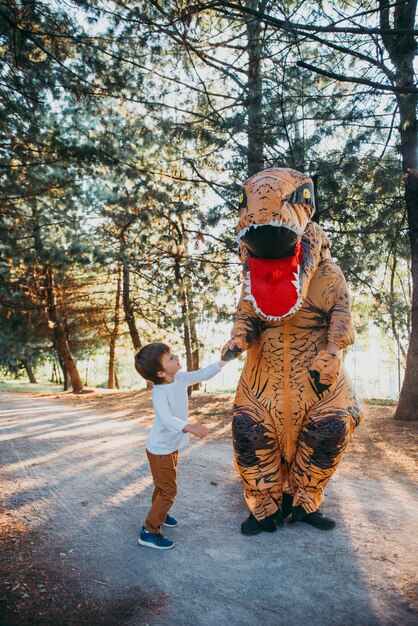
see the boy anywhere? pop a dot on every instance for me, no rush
(169, 432)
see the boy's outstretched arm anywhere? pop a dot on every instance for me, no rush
(191, 378)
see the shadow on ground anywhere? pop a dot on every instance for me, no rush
(77, 487)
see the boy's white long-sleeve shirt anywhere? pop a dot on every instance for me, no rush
(171, 406)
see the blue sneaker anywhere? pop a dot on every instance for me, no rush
(170, 521)
(153, 540)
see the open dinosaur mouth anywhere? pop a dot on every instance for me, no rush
(270, 242)
(274, 266)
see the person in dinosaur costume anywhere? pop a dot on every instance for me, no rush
(294, 409)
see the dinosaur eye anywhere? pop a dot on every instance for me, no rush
(242, 200)
(302, 195)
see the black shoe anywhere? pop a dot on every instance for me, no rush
(298, 513)
(318, 520)
(278, 518)
(287, 505)
(251, 526)
(315, 519)
(268, 524)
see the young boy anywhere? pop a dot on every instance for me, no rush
(169, 432)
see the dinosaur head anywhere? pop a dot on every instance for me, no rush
(275, 233)
(275, 207)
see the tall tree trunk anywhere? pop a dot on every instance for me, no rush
(194, 346)
(54, 314)
(59, 370)
(127, 303)
(254, 90)
(112, 371)
(29, 370)
(54, 375)
(65, 379)
(407, 408)
(55, 318)
(401, 49)
(114, 333)
(185, 315)
(191, 343)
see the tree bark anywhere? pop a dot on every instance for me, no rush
(29, 371)
(255, 131)
(58, 371)
(54, 314)
(126, 296)
(54, 375)
(185, 317)
(56, 320)
(407, 408)
(401, 49)
(185, 314)
(194, 347)
(114, 334)
(65, 380)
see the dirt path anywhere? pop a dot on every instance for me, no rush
(78, 477)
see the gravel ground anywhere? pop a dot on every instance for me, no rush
(79, 477)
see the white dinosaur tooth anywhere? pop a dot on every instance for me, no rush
(242, 233)
(296, 282)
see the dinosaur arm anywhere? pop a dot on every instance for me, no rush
(244, 331)
(326, 366)
(338, 304)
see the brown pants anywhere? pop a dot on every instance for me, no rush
(163, 470)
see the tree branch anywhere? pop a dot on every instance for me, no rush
(353, 79)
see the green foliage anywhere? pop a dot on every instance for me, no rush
(128, 143)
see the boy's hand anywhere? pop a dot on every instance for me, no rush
(199, 429)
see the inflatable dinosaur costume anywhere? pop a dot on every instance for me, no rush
(294, 409)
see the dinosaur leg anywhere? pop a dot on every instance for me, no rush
(323, 438)
(257, 458)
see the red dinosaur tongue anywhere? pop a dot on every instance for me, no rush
(271, 283)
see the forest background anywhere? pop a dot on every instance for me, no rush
(127, 129)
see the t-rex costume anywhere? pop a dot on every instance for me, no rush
(294, 409)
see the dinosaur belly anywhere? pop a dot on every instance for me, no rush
(275, 379)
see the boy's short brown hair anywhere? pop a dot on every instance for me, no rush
(148, 361)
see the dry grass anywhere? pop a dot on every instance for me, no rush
(383, 446)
